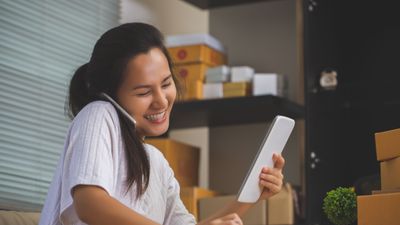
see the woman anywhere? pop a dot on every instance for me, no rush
(106, 173)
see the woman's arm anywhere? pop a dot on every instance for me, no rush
(270, 178)
(95, 206)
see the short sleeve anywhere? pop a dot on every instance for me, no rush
(89, 152)
(176, 212)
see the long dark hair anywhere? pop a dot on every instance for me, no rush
(105, 73)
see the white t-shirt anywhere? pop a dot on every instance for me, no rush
(94, 154)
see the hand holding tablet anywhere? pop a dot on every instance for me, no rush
(274, 142)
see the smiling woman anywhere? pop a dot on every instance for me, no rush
(107, 174)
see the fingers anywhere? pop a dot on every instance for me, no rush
(277, 180)
(279, 161)
(272, 188)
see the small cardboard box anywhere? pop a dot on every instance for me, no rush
(269, 84)
(190, 197)
(390, 174)
(387, 144)
(380, 209)
(236, 89)
(213, 90)
(197, 54)
(183, 159)
(242, 74)
(257, 215)
(277, 210)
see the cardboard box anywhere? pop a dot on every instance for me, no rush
(381, 209)
(191, 72)
(191, 195)
(213, 90)
(377, 192)
(390, 174)
(281, 207)
(236, 89)
(194, 39)
(277, 210)
(197, 54)
(218, 70)
(183, 159)
(257, 215)
(387, 144)
(269, 84)
(242, 74)
(193, 90)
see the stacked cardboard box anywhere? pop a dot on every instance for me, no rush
(383, 207)
(184, 161)
(191, 59)
(277, 210)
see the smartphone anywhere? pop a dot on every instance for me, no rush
(122, 110)
(274, 141)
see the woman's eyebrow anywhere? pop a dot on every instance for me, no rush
(149, 86)
(167, 78)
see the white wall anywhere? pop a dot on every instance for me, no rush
(170, 16)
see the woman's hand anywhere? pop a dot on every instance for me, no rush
(231, 219)
(272, 178)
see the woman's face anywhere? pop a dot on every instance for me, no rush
(148, 92)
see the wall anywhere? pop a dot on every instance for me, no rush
(170, 16)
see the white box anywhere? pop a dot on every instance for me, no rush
(218, 70)
(213, 90)
(268, 84)
(194, 39)
(217, 78)
(242, 74)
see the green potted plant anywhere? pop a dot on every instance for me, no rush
(340, 206)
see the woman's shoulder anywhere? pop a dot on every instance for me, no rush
(97, 113)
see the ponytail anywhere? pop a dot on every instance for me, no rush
(78, 91)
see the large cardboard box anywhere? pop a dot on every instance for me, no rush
(387, 144)
(390, 174)
(197, 54)
(193, 71)
(278, 210)
(190, 197)
(191, 76)
(257, 215)
(281, 207)
(183, 159)
(380, 209)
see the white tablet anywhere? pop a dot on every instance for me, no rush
(274, 142)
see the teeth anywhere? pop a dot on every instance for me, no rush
(155, 117)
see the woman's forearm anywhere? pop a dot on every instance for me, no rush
(95, 207)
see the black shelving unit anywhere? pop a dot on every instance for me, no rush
(232, 111)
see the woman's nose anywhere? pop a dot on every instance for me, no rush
(160, 99)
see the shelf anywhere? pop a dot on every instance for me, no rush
(232, 111)
(208, 4)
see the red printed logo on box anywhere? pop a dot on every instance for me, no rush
(183, 73)
(182, 53)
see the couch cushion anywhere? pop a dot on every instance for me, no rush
(19, 218)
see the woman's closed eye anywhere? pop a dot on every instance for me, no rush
(166, 85)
